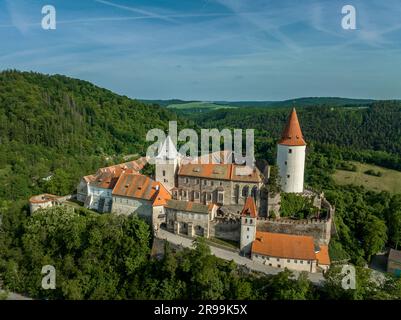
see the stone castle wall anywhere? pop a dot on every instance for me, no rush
(228, 230)
(320, 230)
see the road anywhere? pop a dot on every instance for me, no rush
(316, 278)
(15, 296)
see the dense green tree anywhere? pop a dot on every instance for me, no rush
(375, 235)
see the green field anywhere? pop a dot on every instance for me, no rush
(389, 181)
(199, 105)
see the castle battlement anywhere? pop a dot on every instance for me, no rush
(291, 221)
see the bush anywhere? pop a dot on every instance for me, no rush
(373, 173)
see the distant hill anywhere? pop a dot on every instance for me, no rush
(215, 105)
(165, 103)
(199, 106)
(300, 102)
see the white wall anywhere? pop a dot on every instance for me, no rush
(292, 264)
(127, 206)
(291, 167)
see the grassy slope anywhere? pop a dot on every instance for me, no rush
(390, 180)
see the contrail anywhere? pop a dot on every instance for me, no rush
(136, 10)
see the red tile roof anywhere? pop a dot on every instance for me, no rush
(249, 208)
(107, 177)
(135, 186)
(292, 134)
(323, 255)
(221, 171)
(162, 196)
(138, 186)
(284, 246)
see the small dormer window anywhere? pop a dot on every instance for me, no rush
(289, 150)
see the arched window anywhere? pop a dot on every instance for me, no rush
(245, 191)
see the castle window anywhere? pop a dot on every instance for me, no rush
(302, 262)
(288, 176)
(289, 150)
(250, 221)
(245, 191)
(221, 197)
(164, 173)
(212, 183)
(186, 180)
(278, 259)
(308, 262)
(296, 261)
(247, 237)
(285, 162)
(246, 220)
(197, 181)
(247, 229)
(288, 260)
(204, 182)
(279, 265)
(196, 195)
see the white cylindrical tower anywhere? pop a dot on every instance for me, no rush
(291, 156)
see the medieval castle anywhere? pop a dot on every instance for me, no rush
(218, 199)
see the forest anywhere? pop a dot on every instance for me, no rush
(108, 257)
(63, 128)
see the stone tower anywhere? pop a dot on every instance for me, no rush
(291, 156)
(166, 164)
(248, 225)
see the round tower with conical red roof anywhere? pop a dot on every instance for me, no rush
(291, 156)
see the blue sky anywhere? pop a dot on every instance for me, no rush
(211, 49)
